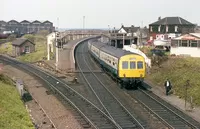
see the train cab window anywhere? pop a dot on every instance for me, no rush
(125, 65)
(132, 65)
(140, 65)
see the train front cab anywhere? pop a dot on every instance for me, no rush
(131, 70)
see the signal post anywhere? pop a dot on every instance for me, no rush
(58, 45)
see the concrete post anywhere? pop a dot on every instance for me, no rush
(48, 54)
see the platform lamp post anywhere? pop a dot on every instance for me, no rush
(83, 25)
(123, 41)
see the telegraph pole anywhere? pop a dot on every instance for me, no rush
(141, 28)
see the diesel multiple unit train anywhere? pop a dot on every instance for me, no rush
(126, 67)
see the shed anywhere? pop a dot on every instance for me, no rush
(22, 46)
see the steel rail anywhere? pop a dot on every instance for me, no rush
(38, 72)
(169, 117)
(106, 90)
(182, 118)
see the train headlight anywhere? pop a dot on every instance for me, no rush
(141, 75)
(124, 75)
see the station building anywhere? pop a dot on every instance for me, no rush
(186, 45)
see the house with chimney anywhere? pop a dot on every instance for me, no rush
(170, 27)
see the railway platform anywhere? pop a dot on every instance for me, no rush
(176, 101)
(66, 60)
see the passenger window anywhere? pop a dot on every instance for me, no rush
(140, 65)
(132, 65)
(125, 65)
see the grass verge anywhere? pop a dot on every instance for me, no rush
(179, 70)
(13, 114)
(40, 47)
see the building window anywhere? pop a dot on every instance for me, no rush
(151, 29)
(176, 28)
(140, 65)
(193, 43)
(27, 49)
(159, 28)
(125, 65)
(167, 28)
(198, 43)
(184, 43)
(132, 65)
(174, 43)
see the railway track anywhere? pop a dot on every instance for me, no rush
(109, 103)
(165, 112)
(168, 114)
(93, 116)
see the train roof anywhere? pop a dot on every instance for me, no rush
(117, 52)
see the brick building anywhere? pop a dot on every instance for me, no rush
(25, 27)
(170, 25)
(22, 46)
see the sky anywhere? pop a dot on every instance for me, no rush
(98, 13)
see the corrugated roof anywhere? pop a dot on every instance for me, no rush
(20, 41)
(172, 21)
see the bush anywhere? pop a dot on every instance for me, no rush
(5, 79)
(158, 60)
(30, 37)
(43, 33)
(12, 37)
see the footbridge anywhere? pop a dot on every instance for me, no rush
(78, 34)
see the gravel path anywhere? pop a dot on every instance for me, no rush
(57, 113)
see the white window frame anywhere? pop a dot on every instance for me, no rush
(167, 28)
(176, 28)
(151, 28)
(25, 50)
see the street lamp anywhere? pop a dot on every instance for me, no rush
(108, 29)
(83, 25)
